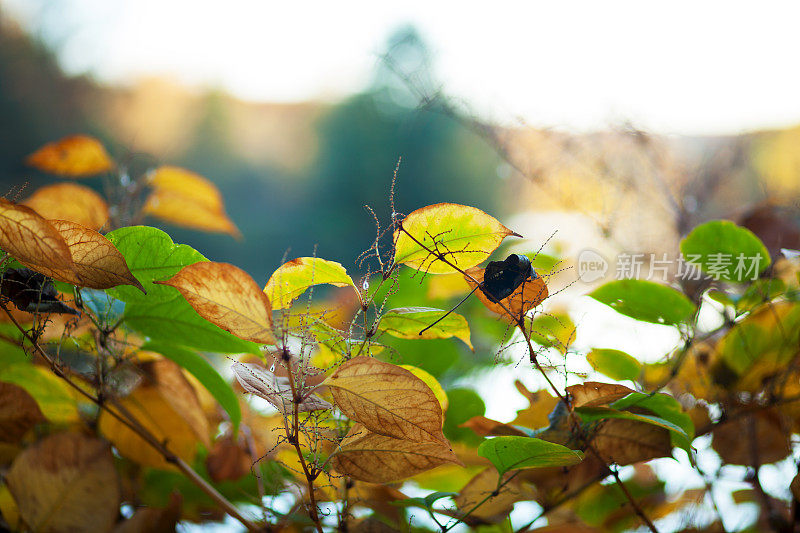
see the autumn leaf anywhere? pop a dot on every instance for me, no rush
(34, 242)
(293, 278)
(66, 483)
(19, 412)
(408, 323)
(465, 236)
(53, 396)
(763, 432)
(75, 156)
(486, 427)
(186, 199)
(387, 400)
(70, 201)
(381, 459)
(276, 390)
(593, 393)
(97, 263)
(493, 507)
(227, 297)
(524, 298)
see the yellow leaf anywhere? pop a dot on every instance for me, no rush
(8, 508)
(431, 382)
(387, 399)
(97, 263)
(19, 412)
(66, 482)
(227, 297)
(75, 156)
(187, 199)
(34, 242)
(380, 459)
(294, 277)
(463, 235)
(70, 201)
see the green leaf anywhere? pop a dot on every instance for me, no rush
(543, 262)
(511, 453)
(646, 301)
(176, 322)
(552, 330)
(206, 374)
(151, 255)
(591, 414)
(407, 322)
(294, 277)
(725, 251)
(464, 235)
(615, 364)
(464, 404)
(760, 291)
(51, 393)
(663, 405)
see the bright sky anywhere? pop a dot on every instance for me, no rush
(691, 67)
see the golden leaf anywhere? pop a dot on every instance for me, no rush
(66, 482)
(97, 263)
(387, 400)
(227, 297)
(187, 199)
(75, 156)
(19, 412)
(295, 276)
(380, 459)
(463, 235)
(593, 393)
(70, 201)
(34, 242)
(527, 296)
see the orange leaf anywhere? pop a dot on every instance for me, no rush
(227, 297)
(189, 200)
(523, 299)
(70, 201)
(98, 263)
(34, 242)
(76, 156)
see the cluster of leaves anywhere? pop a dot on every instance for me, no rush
(123, 380)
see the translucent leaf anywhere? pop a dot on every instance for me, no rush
(189, 200)
(512, 453)
(70, 201)
(646, 301)
(67, 482)
(615, 364)
(294, 277)
(75, 157)
(465, 236)
(228, 297)
(387, 400)
(726, 251)
(593, 393)
(381, 459)
(151, 255)
(431, 382)
(407, 322)
(196, 365)
(257, 380)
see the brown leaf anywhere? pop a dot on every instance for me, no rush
(34, 242)
(75, 156)
(227, 461)
(228, 297)
(536, 414)
(594, 394)
(19, 412)
(70, 201)
(377, 497)
(66, 482)
(276, 390)
(523, 299)
(380, 459)
(497, 507)
(625, 442)
(763, 436)
(153, 519)
(387, 400)
(485, 427)
(97, 262)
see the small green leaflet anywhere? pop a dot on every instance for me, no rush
(725, 251)
(407, 322)
(646, 301)
(512, 453)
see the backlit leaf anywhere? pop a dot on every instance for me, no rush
(276, 390)
(465, 236)
(70, 201)
(387, 400)
(615, 364)
(19, 412)
(186, 199)
(52, 394)
(726, 251)
(151, 255)
(97, 263)
(381, 459)
(227, 296)
(524, 298)
(646, 301)
(75, 157)
(33, 241)
(513, 453)
(593, 393)
(431, 382)
(294, 277)
(408, 322)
